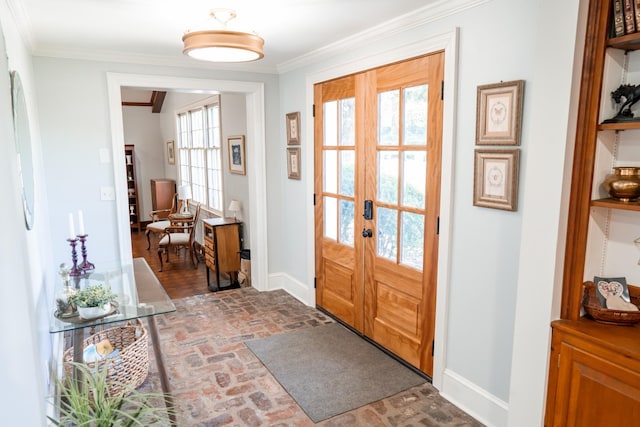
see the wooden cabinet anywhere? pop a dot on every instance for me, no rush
(162, 192)
(594, 370)
(132, 186)
(222, 245)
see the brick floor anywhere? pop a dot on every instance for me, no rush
(217, 381)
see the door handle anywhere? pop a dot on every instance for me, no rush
(368, 209)
(366, 232)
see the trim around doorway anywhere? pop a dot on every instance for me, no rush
(448, 42)
(254, 92)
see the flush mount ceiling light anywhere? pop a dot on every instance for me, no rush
(219, 44)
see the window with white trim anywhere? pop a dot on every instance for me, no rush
(200, 152)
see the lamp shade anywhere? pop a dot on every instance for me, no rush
(234, 206)
(184, 192)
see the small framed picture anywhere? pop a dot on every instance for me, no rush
(237, 163)
(293, 163)
(499, 113)
(171, 153)
(496, 179)
(293, 128)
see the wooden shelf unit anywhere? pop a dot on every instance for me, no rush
(594, 369)
(132, 187)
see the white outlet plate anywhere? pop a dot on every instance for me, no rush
(107, 193)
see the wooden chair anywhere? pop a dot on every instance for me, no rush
(178, 236)
(160, 219)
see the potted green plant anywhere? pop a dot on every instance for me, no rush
(88, 402)
(93, 301)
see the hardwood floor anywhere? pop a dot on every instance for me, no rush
(179, 278)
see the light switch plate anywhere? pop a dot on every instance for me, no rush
(107, 193)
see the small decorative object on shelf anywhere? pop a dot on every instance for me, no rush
(628, 95)
(94, 301)
(594, 309)
(624, 183)
(85, 265)
(63, 304)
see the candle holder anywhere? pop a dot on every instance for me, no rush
(85, 266)
(75, 270)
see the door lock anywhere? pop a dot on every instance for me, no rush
(366, 232)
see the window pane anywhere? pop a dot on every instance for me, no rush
(348, 121)
(331, 218)
(412, 240)
(347, 209)
(388, 176)
(330, 171)
(197, 130)
(388, 233)
(213, 126)
(347, 172)
(330, 114)
(414, 174)
(415, 115)
(388, 114)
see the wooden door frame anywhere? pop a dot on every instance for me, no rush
(447, 42)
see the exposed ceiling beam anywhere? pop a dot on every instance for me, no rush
(156, 101)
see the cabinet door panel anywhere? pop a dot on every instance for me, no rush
(596, 392)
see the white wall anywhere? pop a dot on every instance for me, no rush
(493, 261)
(500, 40)
(234, 114)
(25, 261)
(75, 118)
(142, 129)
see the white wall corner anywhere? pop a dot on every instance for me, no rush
(301, 291)
(475, 401)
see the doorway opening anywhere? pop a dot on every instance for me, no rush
(253, 92)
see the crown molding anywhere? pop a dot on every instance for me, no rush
(146, 59)
(430, 13)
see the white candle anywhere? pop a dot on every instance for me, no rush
(81, 222)
(72, 232)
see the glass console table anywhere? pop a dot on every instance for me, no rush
(140, 295)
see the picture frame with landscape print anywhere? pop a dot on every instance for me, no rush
(237, 162)
(496, 179)
(499, 113)
(293, 128)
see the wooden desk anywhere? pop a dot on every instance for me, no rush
(222, 246)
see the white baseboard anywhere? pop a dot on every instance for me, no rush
(299, 290)
(475, 401)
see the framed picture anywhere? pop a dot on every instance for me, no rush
(237, 162)
(293, 128)
(171, 153)
(496, 179)
(499, 113)
(293, 163)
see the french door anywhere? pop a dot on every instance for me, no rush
(378, 139)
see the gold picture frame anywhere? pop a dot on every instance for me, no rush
(237, 161)
(496, 179)
(499, 113)
(293, 163)
(293, 128)
(171, 153)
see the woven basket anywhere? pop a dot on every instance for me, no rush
(128, 369)
(592, 306)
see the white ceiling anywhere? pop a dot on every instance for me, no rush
(152, 29)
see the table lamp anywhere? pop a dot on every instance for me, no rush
(184, 194)
(234, 207)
